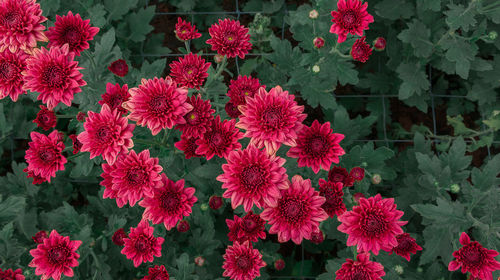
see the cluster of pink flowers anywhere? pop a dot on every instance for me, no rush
(253, 177)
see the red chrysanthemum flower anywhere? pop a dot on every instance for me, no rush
(249, 228)
(119, 67)
(44, 156)
(215, 202)
(45, 118)
(106, 133)
(298, 212)
(243, 87)
(11, 79)
(21, 25)
(77, 145)
(39, 237)
(54, 74)
(474, 258)
(317, 237)
(118, 236)
(357, 196)
(158, 272)
(351, 17)
(271, 118)
(232, 110)
(158, 104)
(37, 179)
(115, 96)
(188, 146)
(72, 30)
(317, 147)
(141, 245)
(190, 71)
(220, 139)
(361, 269)
(229, 38)
(252, 176)
(360, 50)
(357, 173)
(135, 176)
(406, 246)
(332, 192)
(81, 116)
(55, 256)
(183, 226)
(340, 174)
(184, 31)
(373, 225)
(169, 204)
(242, 262)
(198, 120)
(107, 183)
(11, 275)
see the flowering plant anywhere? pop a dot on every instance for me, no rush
(230, 163)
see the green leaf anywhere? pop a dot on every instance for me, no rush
(184, 269)
(460, 17)
(438, 242)
(284, 56)
(151, 70)
(11, 207)
(449, 213)
(461, 52)
(393, 10)
(139, 23)
(97, 15)
(487, 177)
(418, 36)
(433, 5)
(118, 8)
(414, 80)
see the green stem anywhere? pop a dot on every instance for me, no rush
(188, 47)
(147, 142)
(336, 50)
(65, 116)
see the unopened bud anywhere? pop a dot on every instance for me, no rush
(455, 188)
(204, 207)
(215, 202)
(313, 14)
(316, 69)
(318, 42)
(199, 261)
(493, 35)
(376, 179)
(379, 43)
(218, 58)
(183, 226)
(279, 264)
(399, 269)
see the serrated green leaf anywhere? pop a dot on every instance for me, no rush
(418, 36)
(460, 17)
(118, 8)
(414, 80)
(11, 207)
(461, 52)
(393, 10)
(450, 213)
(433, 5)
(139, 23)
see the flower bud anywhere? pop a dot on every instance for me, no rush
(215, 202)
(493, 35)
(376, 179)
(118, 236)
(399, 269)
(317, 237)
(379, 43)
(313, 14)
(204, 207)
(218, 58)
(455, 188)
(279, 264)
(318, 42)
(183, 226)
(199, 261)
(39, 237)
(316, 69)
(81, 116)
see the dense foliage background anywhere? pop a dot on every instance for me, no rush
(424, 114)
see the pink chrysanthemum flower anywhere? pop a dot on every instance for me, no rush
(106, 133)
(11, 79)
(11, 275)
(115, 96)
(332, 192)
(188, 146)
(251, 176)
(135, 176)
(317, 147)
(220, 139)
(474, 258)
(298, 212)
(243, 87)
(373, 225)
(77, 145)
(360, 50)
(232, 110)
(158, 272)
(169, 204)
(55, 256)
(198, 120)
(37, 179)
(362, 269)
(184, 31)
(406, 246)
(54, 74)
(44, 156)
(119, 67)
(72, 30)
(340, 175)
(249, 228)
(141, 245)
(271, 118)
(229, 38)
(21, 25)
(45, 118)
(107, 183)
(158, 104)
(190, 71)
(242, 262)
(351, 17)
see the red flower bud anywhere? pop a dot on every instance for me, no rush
(318, 42)
(119, 67)
(215, 202)
(379, 43)
(39, 236)
(279, 264)
(118, 236)
(183, 226)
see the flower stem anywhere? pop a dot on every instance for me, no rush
(188, 47)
